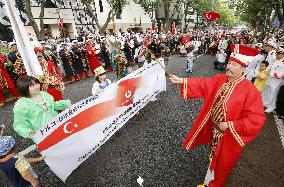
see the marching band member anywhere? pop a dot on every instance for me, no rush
(274, 82)
(66, 57)
(19, 67)
(52, 82)
(92, 55)
(78, 59)
(6, 81)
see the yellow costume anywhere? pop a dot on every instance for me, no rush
(260, 80)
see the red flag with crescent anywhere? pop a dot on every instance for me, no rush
(211, 16)
(60, 22)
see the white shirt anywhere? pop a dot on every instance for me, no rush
(98, 87)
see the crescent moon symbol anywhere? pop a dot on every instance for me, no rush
(66, 125)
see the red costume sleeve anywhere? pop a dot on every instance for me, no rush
(248, 126)
(192, 88)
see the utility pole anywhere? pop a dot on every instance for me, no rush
(213, 1)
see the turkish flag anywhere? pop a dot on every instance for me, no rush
(124, 97)
(60, 22)
(211, 16)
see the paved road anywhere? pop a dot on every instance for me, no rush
(149, 145)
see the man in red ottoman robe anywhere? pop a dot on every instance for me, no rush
(6, 81)
(231, 117)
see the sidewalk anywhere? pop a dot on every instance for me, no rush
(262, 163)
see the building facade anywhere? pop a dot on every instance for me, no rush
(76, 20)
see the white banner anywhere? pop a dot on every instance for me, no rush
(79, 131)
(30, 60)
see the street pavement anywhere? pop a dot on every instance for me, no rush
(150, 144)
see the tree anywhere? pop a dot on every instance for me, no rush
(227, 17)
(116, 6)
(39, 31)
(258, 13)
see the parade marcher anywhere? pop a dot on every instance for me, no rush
(106, 55)
(6, 82)
(231, 117)
(101, 81)
(68, 61)
(221, 59)
(12, 56)
(85, 62)
(142, 53)
(128, 51)
(77, 59)
(35, 108)
(120, 61)
(113, 56)
(260, 80)
(19, 67)
(274, 82)
(15, 57)
(17, 168)
(189, 61)
(92, 55)
(52, 82)
(270, 47)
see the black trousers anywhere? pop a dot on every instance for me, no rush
(280, 102)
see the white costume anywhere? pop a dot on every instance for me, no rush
(273, 84)
(253, 66)
(221, 56)
(189, 60)
(271, 57)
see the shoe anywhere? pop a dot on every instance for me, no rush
(2, 104)
(269, 110)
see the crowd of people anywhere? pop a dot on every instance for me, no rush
(39, 100)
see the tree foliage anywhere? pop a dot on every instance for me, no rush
(258, 13)
(116, 7)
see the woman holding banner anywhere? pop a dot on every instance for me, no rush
(35, 108)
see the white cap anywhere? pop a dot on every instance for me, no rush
(272, 43)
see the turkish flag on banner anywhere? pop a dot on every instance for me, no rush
(211, 16)
(77, 132)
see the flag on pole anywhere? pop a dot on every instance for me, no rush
(60, 22)
(211, 16)
(174, 28)
(32, 66)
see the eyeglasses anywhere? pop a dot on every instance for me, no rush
(39, 56)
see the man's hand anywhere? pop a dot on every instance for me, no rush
(175, 79)
(223, 126)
